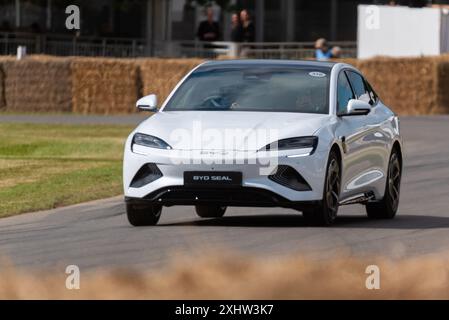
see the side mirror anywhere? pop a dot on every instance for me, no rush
(357, 108)
(147, 103)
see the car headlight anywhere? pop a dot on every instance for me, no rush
(150, 141)
(293, 143)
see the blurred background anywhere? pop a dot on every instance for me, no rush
(103, 56)
(170, 28)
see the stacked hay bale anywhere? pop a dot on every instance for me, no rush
(35, 85)
(442, 85)
(160, 76)
(104, 86)
(108, 86)
(407, 85)
(2, 84)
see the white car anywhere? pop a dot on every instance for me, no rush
(296, 134)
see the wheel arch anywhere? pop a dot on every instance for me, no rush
(397, 146)
(337, 149)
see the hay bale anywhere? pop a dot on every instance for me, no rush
(31, 85)
(107, 86)
(160, 76)
(3, 59)
(442, 85)
(104, 86)
(2, 86)
(407, 85)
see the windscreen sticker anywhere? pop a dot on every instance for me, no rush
(317, 74)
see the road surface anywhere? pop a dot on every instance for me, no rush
(97, 234)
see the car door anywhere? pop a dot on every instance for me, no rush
(356, 134)
(377, 132)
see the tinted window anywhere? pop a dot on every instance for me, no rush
(372, 93)
(344, 93)
(360, 88)
(254, 88)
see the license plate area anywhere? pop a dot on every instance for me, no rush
(212, 178)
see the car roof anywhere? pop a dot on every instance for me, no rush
(269, 63)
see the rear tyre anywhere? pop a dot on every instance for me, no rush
(210, 211)
(325, 213)
(143, 214)
(388, 206)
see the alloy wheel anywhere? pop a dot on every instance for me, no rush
(394, 181)
(333, 188)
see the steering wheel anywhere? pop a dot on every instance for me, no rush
(213, 101)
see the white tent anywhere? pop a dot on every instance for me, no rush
(402, 31)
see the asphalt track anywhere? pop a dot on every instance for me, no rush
(97, 234)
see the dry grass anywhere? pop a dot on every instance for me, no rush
(35, 170)
(235, 277)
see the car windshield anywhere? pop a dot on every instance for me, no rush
(275, 89)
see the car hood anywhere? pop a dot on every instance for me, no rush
(229, 130)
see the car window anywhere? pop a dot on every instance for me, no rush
(261, 88)
(344, 93)
(372, 93)
(360, 88)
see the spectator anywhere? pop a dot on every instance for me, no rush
(236, 28)
(322, 51)
(248, 30)
(336, 52)
(209, 30)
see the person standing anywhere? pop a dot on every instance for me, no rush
(236, 28)
(336, 52)
(322, 50)
(248, 29)
(209, 30)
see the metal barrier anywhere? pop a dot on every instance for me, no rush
(292, 50)
(64, 45)
(262, 50)
(10, 41)
(207, 50)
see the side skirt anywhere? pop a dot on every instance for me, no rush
(358, 198)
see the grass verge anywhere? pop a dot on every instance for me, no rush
(44, 166)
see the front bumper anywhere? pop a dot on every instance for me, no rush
(238, 197)
(255, 182)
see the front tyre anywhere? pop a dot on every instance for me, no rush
(143, 214)
(388, 206)
(325, 213)
(210, 211)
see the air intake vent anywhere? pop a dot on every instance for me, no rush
(290, 178)
(148, 173)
